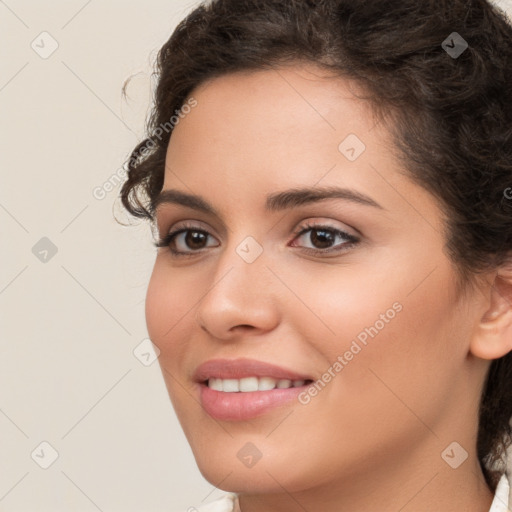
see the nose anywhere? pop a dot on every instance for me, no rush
(241, 298)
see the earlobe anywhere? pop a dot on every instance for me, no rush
(492, 337)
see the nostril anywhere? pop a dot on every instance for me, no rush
(244, 327)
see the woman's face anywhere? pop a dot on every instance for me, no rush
(372, 317)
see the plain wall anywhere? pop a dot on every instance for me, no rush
(69, 325)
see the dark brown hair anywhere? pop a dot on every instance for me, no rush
(450, 117)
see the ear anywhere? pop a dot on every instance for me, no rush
(492, 337)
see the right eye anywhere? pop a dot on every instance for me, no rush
(185, 241)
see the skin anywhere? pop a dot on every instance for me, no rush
(372, 438)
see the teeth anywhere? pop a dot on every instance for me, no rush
(266, 383)
(230, 385)
(249, 384)
(215, 384)
(283, 384)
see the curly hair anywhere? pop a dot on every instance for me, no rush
(450, 117)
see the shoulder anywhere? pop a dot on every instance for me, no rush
(503, 495)
(225, 503)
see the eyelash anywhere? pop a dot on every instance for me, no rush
(304, 228)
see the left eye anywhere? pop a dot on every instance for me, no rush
(323, 238)
(194, 239)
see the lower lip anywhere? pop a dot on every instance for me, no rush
(239, 406)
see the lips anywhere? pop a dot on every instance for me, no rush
(245, 405)
(241, 368)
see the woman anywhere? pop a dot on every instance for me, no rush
(332, 293)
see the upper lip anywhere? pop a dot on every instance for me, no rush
(240, 368)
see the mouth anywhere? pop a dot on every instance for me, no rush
(242, 389)
(234, 404)
(243, 369)
(253, 384)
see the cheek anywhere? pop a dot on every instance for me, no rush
(394, 337)
(338, 306)
(169, 298)
(169, 304)
(158, 302)
(166, 309)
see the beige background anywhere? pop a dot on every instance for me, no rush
(69, 324)
(68, 327)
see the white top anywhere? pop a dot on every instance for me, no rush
(501, 503)
(503, 495)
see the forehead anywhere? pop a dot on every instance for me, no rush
(272, 120)
(256, 132)
(301, 98)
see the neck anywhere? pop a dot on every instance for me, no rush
(426, 486)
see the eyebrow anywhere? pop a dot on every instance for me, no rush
(277, 201)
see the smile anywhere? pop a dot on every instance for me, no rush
(251, 384)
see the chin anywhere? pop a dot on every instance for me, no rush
(224, 467)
